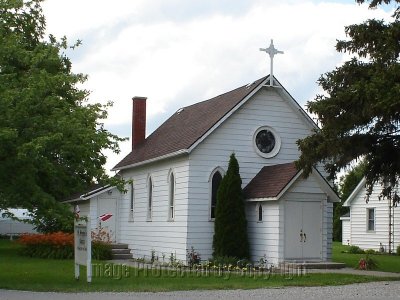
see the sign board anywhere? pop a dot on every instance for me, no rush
(83, 247)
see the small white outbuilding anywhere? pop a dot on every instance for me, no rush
(372, 224)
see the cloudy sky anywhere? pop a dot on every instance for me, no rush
(178, 52)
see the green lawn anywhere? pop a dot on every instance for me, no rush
(23, 273)
(385, 262)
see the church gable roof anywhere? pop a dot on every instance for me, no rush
(270, 181)
(187, 126)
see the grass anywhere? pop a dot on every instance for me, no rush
(385, 262)
(24, 273)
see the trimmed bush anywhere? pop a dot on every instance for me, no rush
(356, 250)
(59, 245)
(370, 251)
(398, 250)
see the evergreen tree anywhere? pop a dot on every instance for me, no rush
(359, 111)
(230, 227)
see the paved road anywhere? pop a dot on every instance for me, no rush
(374, 290)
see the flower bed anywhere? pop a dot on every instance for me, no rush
(59, 245)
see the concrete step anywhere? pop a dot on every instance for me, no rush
(119, 246)
(120, 251)
(121, 256)
(313, 265)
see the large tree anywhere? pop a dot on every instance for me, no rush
(359, 112)
(51, 138)
(230, 227)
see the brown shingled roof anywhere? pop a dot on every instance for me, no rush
(187, 126)
(270, 181)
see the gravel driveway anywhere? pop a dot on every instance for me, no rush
(373, 290)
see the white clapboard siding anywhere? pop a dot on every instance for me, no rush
(360, 236)
(264, 235)
(160, 235)
(265, 108)
(346, 240)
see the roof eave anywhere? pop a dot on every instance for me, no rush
(296, 105)
(326, 187)
(262, 199)
(353, 194)
(281, 193)
(155, 159)
(91, 194)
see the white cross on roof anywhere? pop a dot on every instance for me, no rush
(271, 50)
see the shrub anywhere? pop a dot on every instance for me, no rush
(193, 257)
(56, 245)
(370, 251)
(367, 263)
(224, 260)
(356, 250)
(101, 250)
(398, 250)
(59, 245)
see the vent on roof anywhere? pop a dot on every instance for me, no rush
(179, 110)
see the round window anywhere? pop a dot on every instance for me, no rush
(267, 142)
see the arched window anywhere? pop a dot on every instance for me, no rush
(171, 205)
(260, 212)
(150, 198)
(215, 182)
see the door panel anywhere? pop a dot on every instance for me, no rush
(293, 220)
(303, 235)
(312, 229)
(108, 206)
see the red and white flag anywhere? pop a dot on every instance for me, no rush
(105, 217)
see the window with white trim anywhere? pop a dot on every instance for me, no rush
(371, 219)
(131, 203)
(171, 202)
(215, 182)
(150, 198)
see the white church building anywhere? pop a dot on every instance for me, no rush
(175, 172)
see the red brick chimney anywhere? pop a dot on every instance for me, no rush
(138, 121)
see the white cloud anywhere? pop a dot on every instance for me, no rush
(178, 52)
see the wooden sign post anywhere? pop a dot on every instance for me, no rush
(83, 247)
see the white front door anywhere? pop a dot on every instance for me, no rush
(108, 206)
(303, 230)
